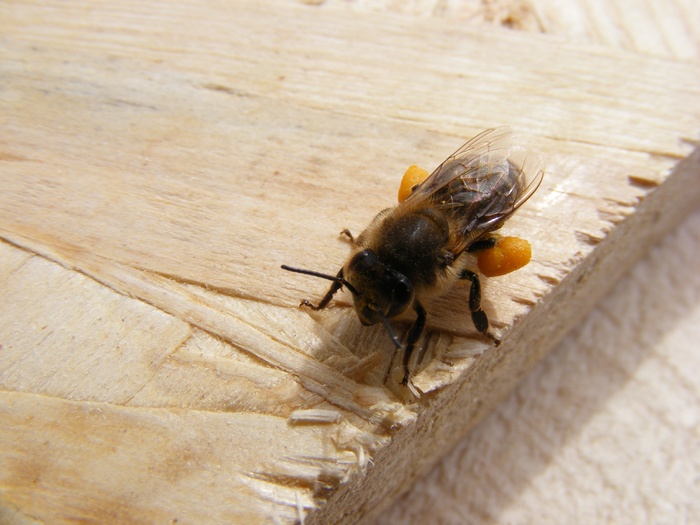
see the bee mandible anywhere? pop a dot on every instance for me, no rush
(416, 250)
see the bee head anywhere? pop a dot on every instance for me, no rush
(380, 292)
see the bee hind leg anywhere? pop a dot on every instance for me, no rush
(482, 244)
(478, 315)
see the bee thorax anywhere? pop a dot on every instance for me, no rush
(414, 244)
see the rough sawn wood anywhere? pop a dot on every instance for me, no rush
(159, 163)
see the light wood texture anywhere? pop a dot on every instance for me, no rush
(652, 27)
(160, 161)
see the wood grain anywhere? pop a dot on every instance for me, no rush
(160, 162)
(650, 27)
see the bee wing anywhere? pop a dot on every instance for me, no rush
(480, 185)
(490, 147)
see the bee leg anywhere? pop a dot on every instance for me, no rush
(478, 315)
(413, 335)
(349, 235)
(483, 244)
(326, 298)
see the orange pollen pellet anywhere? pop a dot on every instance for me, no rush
(509, 254)
(412, 178)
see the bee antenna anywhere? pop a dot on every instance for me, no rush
(334, 278)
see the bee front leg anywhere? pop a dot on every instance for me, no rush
(478, 315)
(413, 336)
(326, 298)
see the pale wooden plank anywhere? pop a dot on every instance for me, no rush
(662, 28)
(182, 176)
(652, 27)
(76, 382)
(153, 466)
(56, 365)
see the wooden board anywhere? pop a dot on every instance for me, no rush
(159, 163)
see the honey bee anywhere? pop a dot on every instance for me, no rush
(416, 250)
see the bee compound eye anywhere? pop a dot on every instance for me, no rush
(363, 261)
(402, 292)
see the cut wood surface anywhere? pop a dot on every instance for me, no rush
(159, 162)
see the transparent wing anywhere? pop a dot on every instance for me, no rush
(480, 185)
(488, 147)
